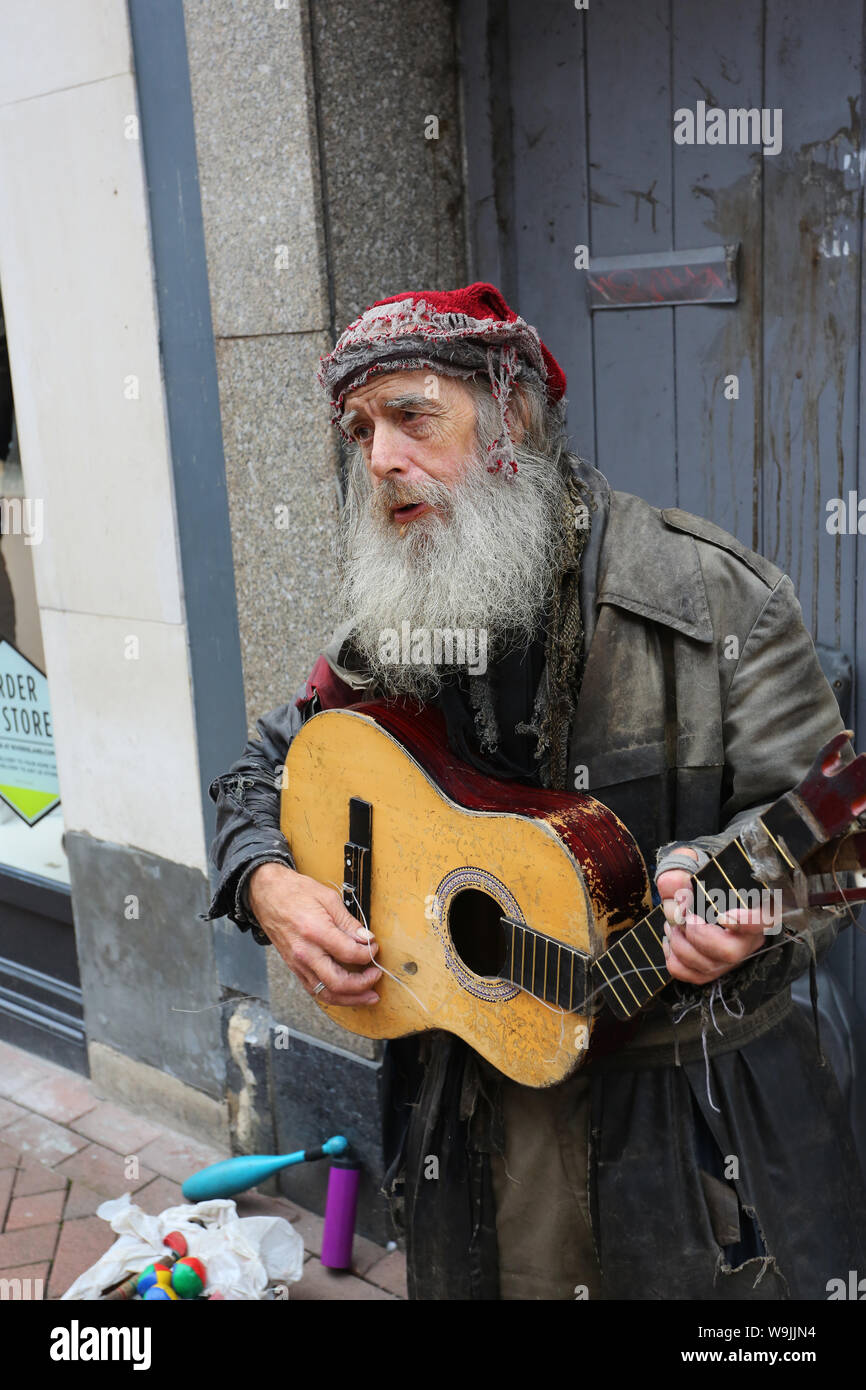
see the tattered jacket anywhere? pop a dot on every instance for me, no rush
(701, 699)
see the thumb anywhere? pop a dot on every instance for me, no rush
(671, 881)
(348, 919)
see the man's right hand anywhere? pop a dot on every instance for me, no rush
(315, 935)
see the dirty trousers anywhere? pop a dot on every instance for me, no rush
(546, 1248)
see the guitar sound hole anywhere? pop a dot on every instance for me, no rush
(478, 937)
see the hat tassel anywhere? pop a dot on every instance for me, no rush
(502, 376)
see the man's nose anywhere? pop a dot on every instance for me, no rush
(387, 452)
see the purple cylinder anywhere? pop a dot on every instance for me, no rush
(340, 1207)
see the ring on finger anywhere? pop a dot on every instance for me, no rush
(320, 988)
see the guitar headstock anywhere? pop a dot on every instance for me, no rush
(827, 803)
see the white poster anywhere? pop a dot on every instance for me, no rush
(28, 771)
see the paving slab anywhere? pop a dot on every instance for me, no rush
(10, 1155)
(28, 1246)
(64, 1154)
(310, 1228)
(19, 1069)
(7, 1178)
(81, 1244)
(35, 1211)
(37, 1177)
(365, 1254)
(42, 1139)
(104, 1170)
(34, 1280)
(390, 1274)
(82, 1200)
(258, 1204)
(63, 1097)
(9, 1111)
(159, 1195)
(116, 1128)
(175, 1156)
(318, 1283)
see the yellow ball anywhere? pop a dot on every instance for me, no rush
(163, 1281)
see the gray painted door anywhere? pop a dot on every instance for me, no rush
(569, 117)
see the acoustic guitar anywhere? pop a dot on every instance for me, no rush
(509, 915)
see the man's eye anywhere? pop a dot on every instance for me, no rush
(358, 431)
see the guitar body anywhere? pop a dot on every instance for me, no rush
(451, 854)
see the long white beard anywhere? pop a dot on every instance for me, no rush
(484, 565)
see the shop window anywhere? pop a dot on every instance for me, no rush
(31, 820)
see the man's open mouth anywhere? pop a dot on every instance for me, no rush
(408, 512)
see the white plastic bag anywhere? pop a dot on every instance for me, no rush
(244, 1257)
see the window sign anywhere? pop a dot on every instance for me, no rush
(28, 771)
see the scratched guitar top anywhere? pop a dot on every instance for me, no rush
(457, 863)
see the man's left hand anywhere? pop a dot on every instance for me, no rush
(698, 951)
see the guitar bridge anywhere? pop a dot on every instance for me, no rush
(357, 853)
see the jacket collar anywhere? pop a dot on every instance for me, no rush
(650, 569)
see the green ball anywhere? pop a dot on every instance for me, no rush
(185, 1280)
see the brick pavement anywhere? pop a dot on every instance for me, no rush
(63, 1151)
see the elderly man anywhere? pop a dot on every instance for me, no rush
(645, 656)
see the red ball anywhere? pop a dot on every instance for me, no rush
(176, 1241)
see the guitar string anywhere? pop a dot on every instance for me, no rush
(369, 945)
(432, 1013)
(770, 946)
(554, 1008)
(590, 998)
(838, 886)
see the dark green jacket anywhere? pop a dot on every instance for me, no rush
(701, 700)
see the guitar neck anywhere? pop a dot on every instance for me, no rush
(820, 815)
(632, 971)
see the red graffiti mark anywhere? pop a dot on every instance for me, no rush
(660, 284)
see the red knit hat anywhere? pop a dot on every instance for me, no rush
(458, 332)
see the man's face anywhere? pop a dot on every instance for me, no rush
(429, 535)
(412, 428)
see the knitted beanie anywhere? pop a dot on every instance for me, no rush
(456, 332)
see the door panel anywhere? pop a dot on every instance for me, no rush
(583, 152)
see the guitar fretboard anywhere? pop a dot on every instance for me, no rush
(544, 967)
(633, 970)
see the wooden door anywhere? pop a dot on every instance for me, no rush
(569, 118)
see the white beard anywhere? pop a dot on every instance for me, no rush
(484, 564)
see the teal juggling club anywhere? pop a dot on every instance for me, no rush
(236, 1174)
